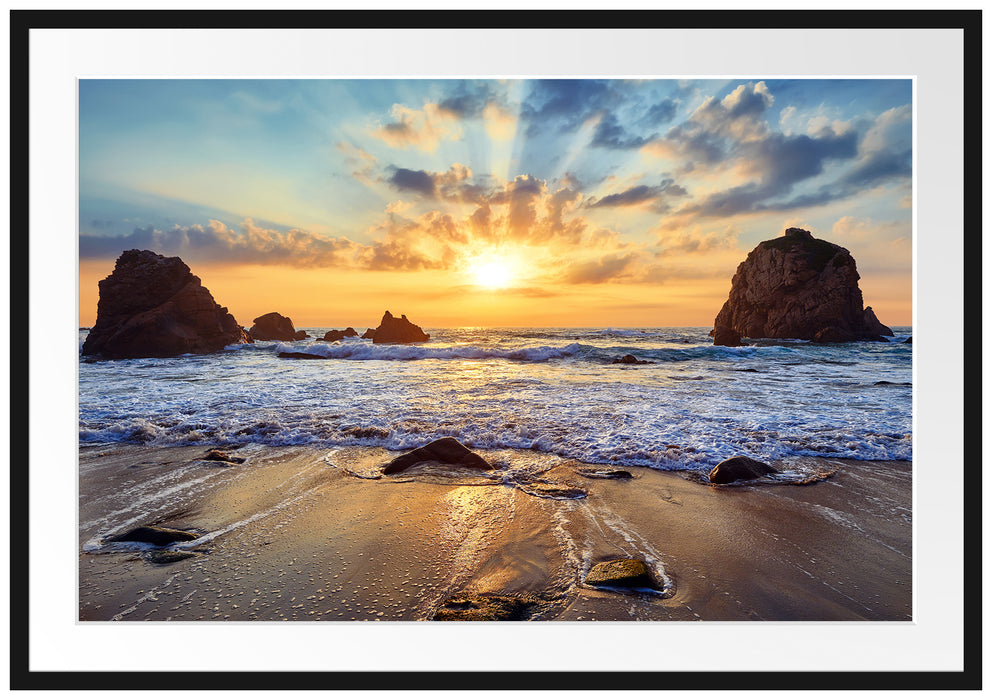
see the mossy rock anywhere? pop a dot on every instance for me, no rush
(487, 608)
(622, 573)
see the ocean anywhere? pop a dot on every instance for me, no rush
(553, 390)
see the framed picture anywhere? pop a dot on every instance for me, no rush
(440, 357)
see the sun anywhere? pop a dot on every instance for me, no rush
(495, 274)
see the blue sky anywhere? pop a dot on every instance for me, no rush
(605, 189)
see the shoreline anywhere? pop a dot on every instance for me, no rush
(304, 533)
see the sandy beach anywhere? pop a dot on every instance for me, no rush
(301, 533)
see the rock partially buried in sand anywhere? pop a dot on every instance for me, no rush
(398, 330)
(158, 536)
(739, 469)
(446, 451)
(168, 557)
(153, 306)
(487, 608)
(219, 456)
(622, 573)
(605, 473)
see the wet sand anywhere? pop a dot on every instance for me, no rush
(299, 533)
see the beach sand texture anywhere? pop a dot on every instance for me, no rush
(303, 534)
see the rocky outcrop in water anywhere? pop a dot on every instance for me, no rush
(629, 360)
(444, 451)
(274, 326)
(153, 306)
(398, 330)
(739, 469)
(332, 335)
(797, 286)
(369, 334)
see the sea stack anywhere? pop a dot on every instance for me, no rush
(797, 286)
(153, 306)
(274, 326)
(398, 330)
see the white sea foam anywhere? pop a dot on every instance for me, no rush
(522, 388)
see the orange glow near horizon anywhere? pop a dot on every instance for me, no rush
(319, 297)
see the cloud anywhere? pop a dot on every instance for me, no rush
(218, 243)
(423, 129)
(661, 112)
(361, 163)
(419, 181)
(606, 269)
(609, 134)
(696, 240)
(563, 104)
(642, 194)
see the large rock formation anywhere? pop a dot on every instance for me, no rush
(153, 306)
(273, 326)
(398, 330)
(797, 286)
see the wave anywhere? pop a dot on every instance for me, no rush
(369, 351)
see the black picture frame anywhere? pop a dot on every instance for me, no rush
(21, 459)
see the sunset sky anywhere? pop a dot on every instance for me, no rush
(491, 202)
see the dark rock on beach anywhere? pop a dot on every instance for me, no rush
(622, 573)
(169, 557)
(332, 335)
(629, 360)
(301, 356)
(153, 306)
(445, 451)
(605, 473)
(797, 286)
(158, 536)
(219, 456)
(488, 608)
(273, 326)
(739, 469)
(398, 330)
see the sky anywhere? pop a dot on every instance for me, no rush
(558, 202)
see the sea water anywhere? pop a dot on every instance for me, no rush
(553, 390)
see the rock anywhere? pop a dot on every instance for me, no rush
(908, 340)
(488, 608)
(300, 335)
(348, 332)
(622, 573)
(446, 451)
(545, 489)
(369, 334)
(301, 356)
(724, 335)
(629, 360)
(273, 326)
(398, 330)
(873, 325)
(605, 473)
(797, 286)
(158, 536)
(169, 557)
(739, 469)
(218, 456)
(153, 306)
